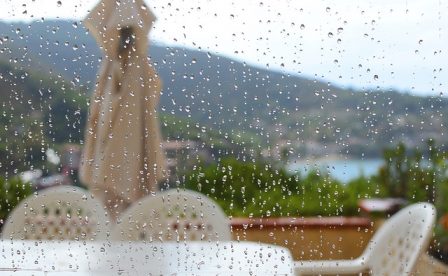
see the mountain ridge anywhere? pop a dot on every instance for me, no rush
(262, 106)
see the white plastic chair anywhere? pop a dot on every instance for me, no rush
(173, 215)
(393, 250)
(58, 213)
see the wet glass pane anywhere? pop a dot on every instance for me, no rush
(315, 129)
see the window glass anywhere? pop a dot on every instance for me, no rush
(304, 125)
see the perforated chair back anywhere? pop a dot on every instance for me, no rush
(59, 213)
(395, 247)
(173, 215)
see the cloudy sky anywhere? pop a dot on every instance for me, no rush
(364, 44)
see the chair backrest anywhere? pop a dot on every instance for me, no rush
(58, 213)
(395, 247)
(173, 215)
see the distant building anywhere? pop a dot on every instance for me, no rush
(70, 161)
(30, 176)
(71, 156)
(178, 152)
(51, 181)
(182, 155)
(388, 206)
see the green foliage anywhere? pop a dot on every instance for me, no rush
(43, 111)
(415, 175)
(258, 190)
(11, 193)
(362, 188)
(179, 128)
(66, 118)
(419, 175)
(242, 99)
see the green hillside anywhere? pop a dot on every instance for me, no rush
(38, 111)
(252, 105)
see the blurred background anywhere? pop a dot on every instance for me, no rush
(272, 108)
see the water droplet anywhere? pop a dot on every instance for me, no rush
(330, 34)
(59, 3)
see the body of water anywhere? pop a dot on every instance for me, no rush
(342, 170)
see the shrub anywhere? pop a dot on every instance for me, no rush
(259, 190)
(11, 193)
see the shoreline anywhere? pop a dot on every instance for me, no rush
(343, 170)
(331, 158)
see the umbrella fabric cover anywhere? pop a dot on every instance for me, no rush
(122, 158)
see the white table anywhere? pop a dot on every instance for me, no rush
(138, 258)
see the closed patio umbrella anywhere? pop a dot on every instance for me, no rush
(122, 158)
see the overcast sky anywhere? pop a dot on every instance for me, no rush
(365, 44)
